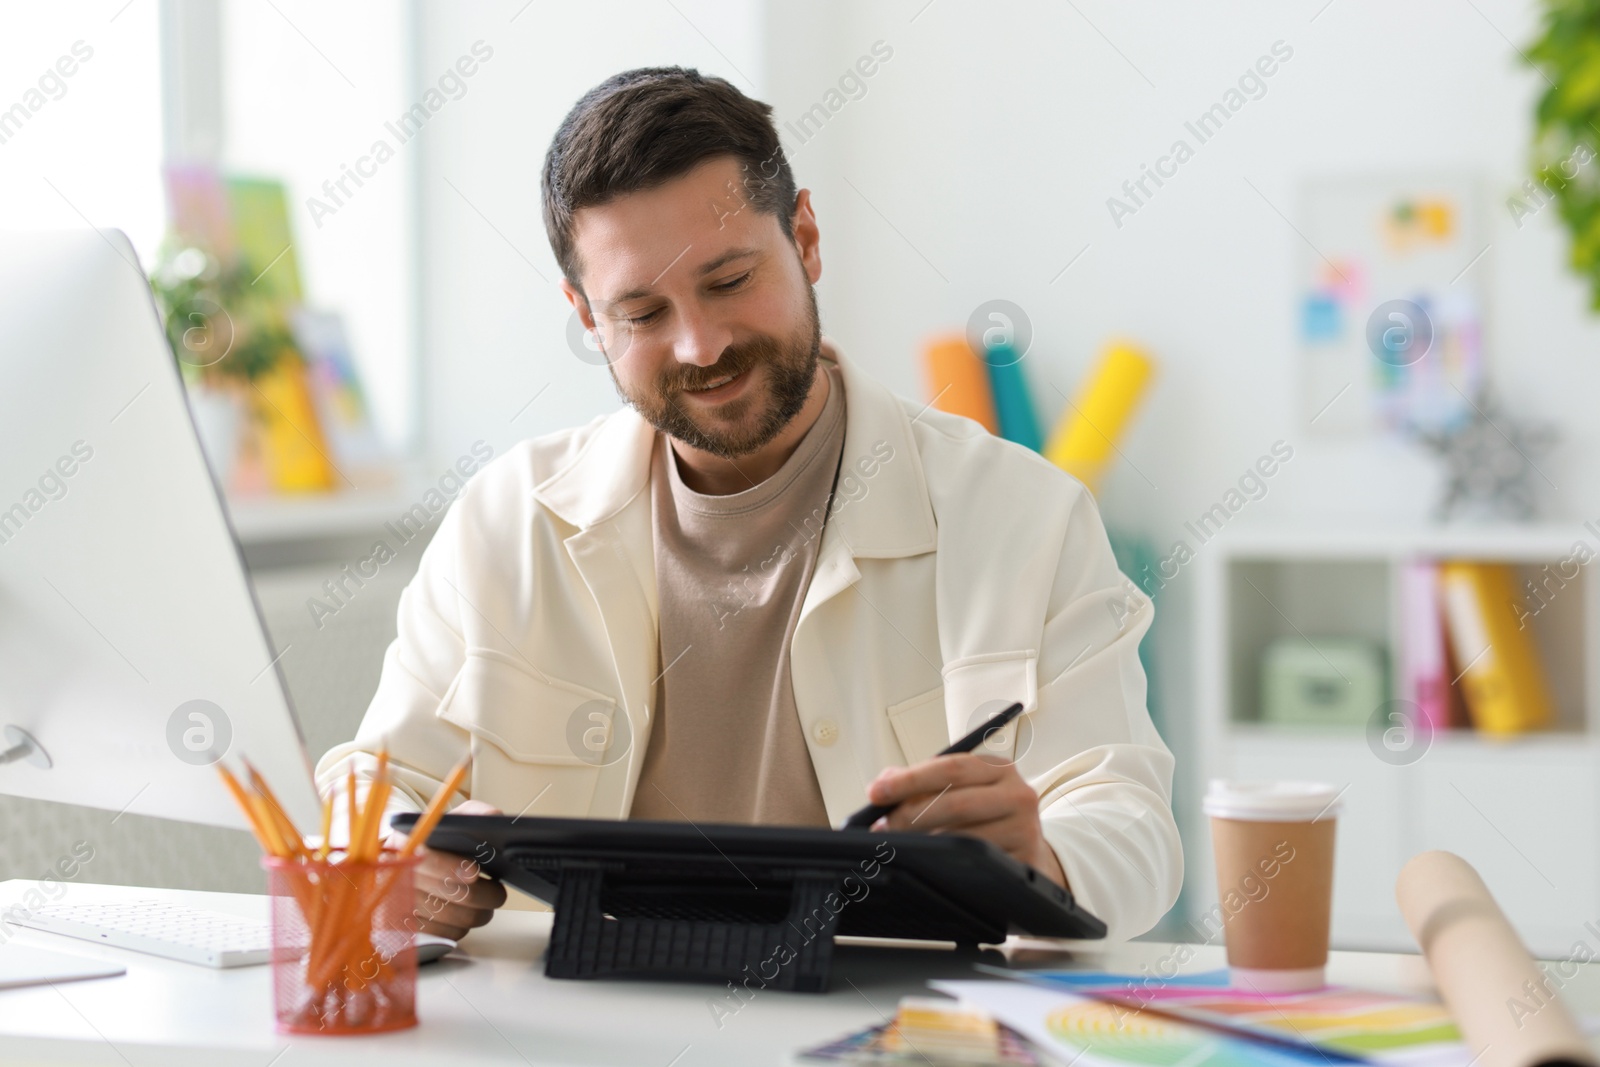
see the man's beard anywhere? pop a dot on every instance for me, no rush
(791, 367)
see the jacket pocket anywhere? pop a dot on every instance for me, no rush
(919, 725)
(538, 743)
(979, 687)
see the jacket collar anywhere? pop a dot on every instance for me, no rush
(884, 513)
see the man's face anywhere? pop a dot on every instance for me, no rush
(689, 286)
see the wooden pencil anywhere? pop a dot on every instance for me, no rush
(436, 808)
(327, 828)
(363, 844)
(244, 804)
(286, 829)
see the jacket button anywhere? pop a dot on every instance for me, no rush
(825, 732)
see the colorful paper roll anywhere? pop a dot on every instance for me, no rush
(1013, 404)
(958, 380)
(1085, 437)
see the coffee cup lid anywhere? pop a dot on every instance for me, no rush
(1271, 801)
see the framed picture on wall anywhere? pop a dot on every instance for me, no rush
(1390, 289)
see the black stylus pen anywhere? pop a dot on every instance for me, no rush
(870, 814)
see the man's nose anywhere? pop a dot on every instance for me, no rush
(699, 340)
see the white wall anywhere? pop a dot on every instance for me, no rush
(89, 147)
(977, 165)
(987, 147)
(494, 333)
(994, 137)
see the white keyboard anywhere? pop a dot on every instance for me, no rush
(158, 927)
(176, 932)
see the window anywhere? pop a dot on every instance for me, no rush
(80, 120)
(307, 86)
(292, 90)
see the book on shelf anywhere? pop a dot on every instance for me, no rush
(1424, 664)
(1456, 715)
(1501, 675)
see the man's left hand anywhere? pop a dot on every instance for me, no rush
(968, 794)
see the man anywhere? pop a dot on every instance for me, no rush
(766, 590)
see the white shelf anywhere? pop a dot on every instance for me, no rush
(319, 529)
(1550, 540)
(276, 519)
(1511, 806)
(1461, 740)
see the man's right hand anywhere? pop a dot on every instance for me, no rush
(451, 897)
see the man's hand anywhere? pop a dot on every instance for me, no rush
(450, 896)
(968, 794)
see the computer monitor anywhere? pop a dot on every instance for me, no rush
(132, 650)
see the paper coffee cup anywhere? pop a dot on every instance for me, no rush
(1273, 843)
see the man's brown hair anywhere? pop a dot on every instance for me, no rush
(644, 127)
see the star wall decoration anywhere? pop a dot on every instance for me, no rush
(1491, 463)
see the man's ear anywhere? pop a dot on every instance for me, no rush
(807, 237)
(579, 302)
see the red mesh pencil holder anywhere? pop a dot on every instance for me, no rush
(343, 959)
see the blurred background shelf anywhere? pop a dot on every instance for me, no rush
(1528, 542)
(1460, 740)
(289, 530)
(1524, 809)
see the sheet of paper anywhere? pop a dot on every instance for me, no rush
(867, 1047)
(1085, 1032)
(1382, 1027)
(1375, 1026)
(22, 965)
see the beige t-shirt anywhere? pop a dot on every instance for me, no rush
(731, 573)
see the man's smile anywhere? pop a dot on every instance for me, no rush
(720, 389)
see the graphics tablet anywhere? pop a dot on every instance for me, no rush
(942, 887)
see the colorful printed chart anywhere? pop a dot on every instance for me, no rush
(1115, 1034)
(1199, 1021)
(1382, 1027)
(870, 1047)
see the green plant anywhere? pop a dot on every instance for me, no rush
(220, 327)
(1567, 127)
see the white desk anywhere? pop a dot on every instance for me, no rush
(496, 1006)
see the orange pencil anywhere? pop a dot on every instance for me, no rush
(286, 827)
(265, 829)
(327, 827)
(244, 803)
(363, 845)
(436, 808)
(376, 805)
(275, 842)
(350, 809)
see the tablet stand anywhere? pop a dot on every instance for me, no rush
(602, 930)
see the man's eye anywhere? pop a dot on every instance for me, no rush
(729, 286)
(643, 320)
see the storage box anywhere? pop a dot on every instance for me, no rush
(1323, 682)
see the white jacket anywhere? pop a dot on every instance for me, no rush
(959, 570)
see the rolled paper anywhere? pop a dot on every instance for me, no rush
(1013, 405)
(1502, 1002)
(958, 380)
(1086, 434)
